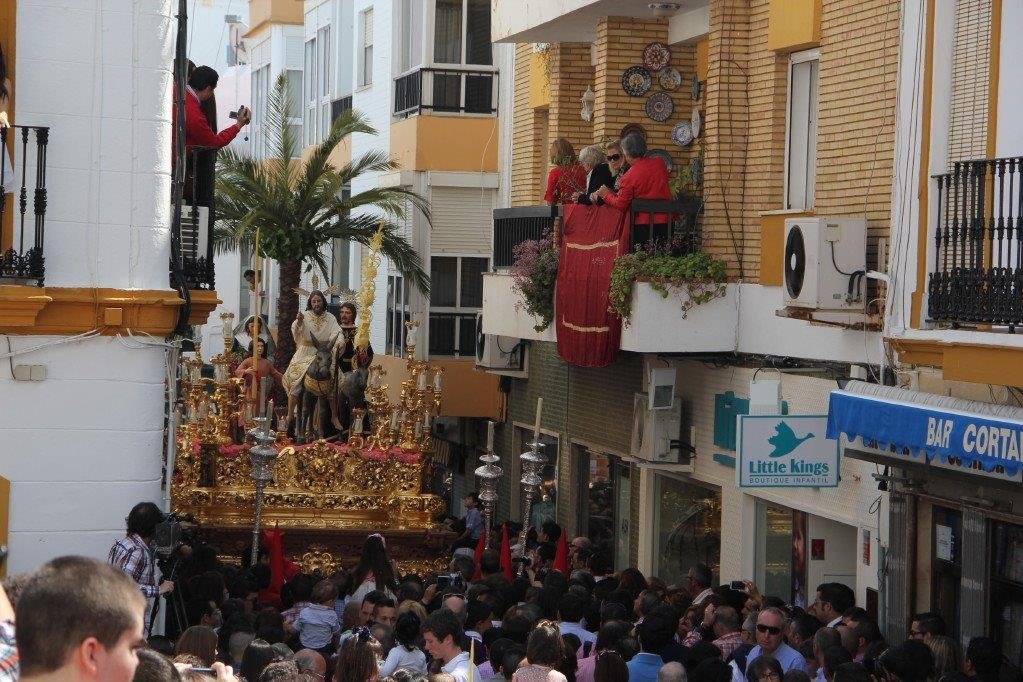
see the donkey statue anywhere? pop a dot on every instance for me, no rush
(316, 395)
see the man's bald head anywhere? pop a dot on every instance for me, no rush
(309, 661)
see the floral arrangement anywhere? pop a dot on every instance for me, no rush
(535, 272)
(697, 277)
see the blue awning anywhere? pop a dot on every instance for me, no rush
(950, 432)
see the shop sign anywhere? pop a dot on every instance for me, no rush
(785, 451)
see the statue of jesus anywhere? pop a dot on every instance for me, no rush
(313, 323)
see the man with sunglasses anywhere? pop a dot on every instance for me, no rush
(771, 624)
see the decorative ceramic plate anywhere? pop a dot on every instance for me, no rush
(663, 155)
(631, 128)
(656, 56)
(636, 80)
(669, 79)
(659, 107)
(695, 88)
(695, 122)
(682, 134)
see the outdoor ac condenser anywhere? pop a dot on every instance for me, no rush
(503, 355)
(825, 263)
(656, 433)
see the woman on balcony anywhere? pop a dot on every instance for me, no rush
(598, 173)
(567, 176)
(617, 163)
(647, 178)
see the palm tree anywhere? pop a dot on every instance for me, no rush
(298, 208)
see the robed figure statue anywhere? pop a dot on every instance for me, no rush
(351, 369)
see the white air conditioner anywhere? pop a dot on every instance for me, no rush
(195, 231)
(505, 355)
(825, 262)
(656, 433)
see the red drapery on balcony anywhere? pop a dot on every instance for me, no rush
(588, 333)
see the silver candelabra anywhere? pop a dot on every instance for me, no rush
(533, 461)
(488, 475)
(262, 455)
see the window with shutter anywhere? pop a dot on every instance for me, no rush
(801, 130)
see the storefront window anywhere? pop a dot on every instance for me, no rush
(597, 500)
(688, 529)
(1007, 590)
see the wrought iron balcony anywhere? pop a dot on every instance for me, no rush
(194, 237)
(340, 106)
(977, 274)
(512, 226)
(21, 260)
(445, 90)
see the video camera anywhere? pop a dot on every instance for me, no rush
(171, 533)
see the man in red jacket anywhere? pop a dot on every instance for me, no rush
(198, 133)
(647, 178)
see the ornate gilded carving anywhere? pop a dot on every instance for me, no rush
(318, 558)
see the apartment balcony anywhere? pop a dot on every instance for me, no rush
(553, 21)
(23, 211)
(433, 106)
(976, 276)
(445, 90)
(191, 263)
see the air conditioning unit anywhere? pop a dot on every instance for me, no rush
(505, 355)
(195, 231)
(825, 263)
(656, 433)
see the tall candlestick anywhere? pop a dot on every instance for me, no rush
(394, 420)
(536, 425)
(422, 380)
(437, 377)
(490, 436)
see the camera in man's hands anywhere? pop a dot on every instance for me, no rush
(170, 533)
(236, 114)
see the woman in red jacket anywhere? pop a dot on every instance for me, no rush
(567, 176)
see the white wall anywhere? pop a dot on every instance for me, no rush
(102, 79)
(80, 448)
(85, 444)
(234, 89)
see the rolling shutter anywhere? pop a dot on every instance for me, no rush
(462, 220)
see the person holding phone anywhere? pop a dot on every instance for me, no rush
(201, 84)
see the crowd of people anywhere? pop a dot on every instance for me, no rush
(485, 619)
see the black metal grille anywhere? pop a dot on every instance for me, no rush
(21, 260)
(977, 274)
(676, 222)
(340, 106)
(442, 90)
(195, 229)
(512, 226)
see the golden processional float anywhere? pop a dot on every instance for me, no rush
(326, 496)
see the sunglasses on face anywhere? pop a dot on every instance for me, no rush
(770, 629)
(614, 157)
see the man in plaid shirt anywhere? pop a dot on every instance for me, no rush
(133, 555)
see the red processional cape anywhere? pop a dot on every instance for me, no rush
(589, 334)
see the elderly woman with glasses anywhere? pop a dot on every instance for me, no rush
(616, 162)
(598, 173)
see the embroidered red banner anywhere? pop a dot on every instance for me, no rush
(588, 333)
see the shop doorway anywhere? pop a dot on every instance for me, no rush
(796, 551)
(946, 564)
(1006, 606)
(603, 513)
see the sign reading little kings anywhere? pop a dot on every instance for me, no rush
(782, 451)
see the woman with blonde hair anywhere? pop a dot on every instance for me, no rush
(545, 651)
(948, 656)
(598, 173)
(567, 177)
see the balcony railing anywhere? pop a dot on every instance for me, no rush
(977, 274)
(512, 226)
(195, 235)
(677, 221)
(23, 260)
(340, 106)
(445, 90)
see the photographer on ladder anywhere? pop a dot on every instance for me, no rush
(133, 554)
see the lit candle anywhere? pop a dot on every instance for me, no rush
(536, 425)
(422, 380)
(437, 379)
(490, 436)
(394, 420)
(426, 421)
(419, 429)
(358, 424)
(270, 410)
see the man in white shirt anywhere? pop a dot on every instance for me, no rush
(833, 599)
(699, 580)
(571, 610)
(442, 635)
